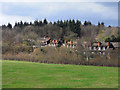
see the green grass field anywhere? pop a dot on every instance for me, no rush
(18, 74)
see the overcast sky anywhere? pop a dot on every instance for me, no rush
(52, 11)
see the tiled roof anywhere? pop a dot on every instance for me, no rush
(116, 44)
(44, 39)
(104, 44)
(95, 44)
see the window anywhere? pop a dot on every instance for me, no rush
(103, 48)
(90, 48)
(99, 48)
(94, 48)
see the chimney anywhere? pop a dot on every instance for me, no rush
(70, 42)
(65, 42)
(98, 44)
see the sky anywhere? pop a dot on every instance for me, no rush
(106, 12)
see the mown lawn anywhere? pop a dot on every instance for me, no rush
(18, 74)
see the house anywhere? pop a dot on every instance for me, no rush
(101, 48)
(53, 42)
(44, 41)
(71, 44)
(116, 44)
(98, 46)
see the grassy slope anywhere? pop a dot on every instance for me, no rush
(17, 74)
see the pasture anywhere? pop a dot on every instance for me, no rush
(19, 74)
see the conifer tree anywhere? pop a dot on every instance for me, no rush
(45, 21)
(98, 24)
(9, 25)
(78, 29)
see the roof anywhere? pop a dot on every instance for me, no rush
(95, 44)
(116, 44)
(103, 44)
(44, 39)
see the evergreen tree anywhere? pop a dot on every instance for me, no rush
(65, 23)
(61, 24)
(55, 23)
(26, 23)
(89, 23)
(109, 26)
(78, 29)
(21, 24)
(16, 24)
(102, 23)
(58, 22)
(3, 27)
(45, 21)
(73, 26)
(9, 25)
(113, 38)
(30, 23)
(85, 23)
(40, 23)
(118, 38)
(79, 22)
(108, 40)
(36, 23)
(98, 24)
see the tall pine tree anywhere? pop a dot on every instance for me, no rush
(45, 21)
(9, 25)
(78, 29)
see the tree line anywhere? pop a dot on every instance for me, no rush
(60, 29)
(73, 25)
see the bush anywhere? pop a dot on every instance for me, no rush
(64, 55)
